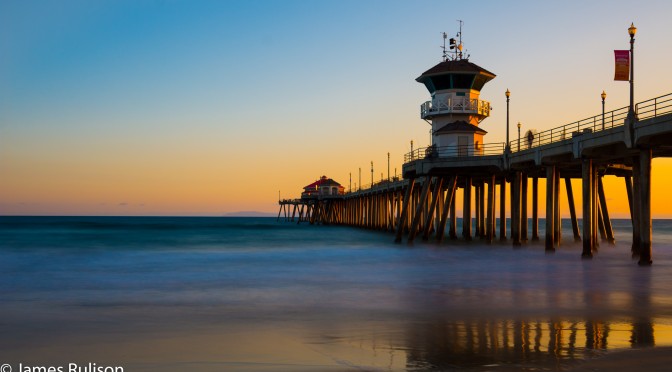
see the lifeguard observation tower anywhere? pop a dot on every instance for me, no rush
(455, 109)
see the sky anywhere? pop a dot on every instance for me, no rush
(211, 107)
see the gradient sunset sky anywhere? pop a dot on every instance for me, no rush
(208, 107)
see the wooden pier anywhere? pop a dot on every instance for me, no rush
(422, 204)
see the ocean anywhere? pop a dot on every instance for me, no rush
(255, 294)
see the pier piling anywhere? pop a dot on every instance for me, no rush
(550, 207)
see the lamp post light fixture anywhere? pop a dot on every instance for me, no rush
(632, 30)
(508, 146)
(604, 96)
(519, 125)
(371, 173)
(388, 166)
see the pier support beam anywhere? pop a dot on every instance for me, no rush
(600, 221)
(452, 231)
(550, 208)
(438, 184)
(523, 207)
(502, 208)
(535, 208)
(422, 202)
(645, 207)
(490, 220)
(482, 211)
(494, 205)
(587, 175)
(447, 206)
(636, 206)
(466, 209)
(404, 210)
(605, 213)
(628, 190)
(572, 209)
(557, 220)
(515, 208)
(477, 210)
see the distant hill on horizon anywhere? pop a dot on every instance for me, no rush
(250, 214)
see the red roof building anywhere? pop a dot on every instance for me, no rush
(323, 187)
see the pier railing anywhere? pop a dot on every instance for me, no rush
(384, 183)
(455, 151)
(615, 118)
(645, 110)
(654, 107)
(611, 119)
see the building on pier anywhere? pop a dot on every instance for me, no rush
(325, 186)
(455, 109)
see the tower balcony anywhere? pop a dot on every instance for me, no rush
(460, 105)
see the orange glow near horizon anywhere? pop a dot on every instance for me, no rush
(126, 187)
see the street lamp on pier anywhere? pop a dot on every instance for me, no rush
(632, 30)
(371, 173)
(604, 96)
(388, 166)
(508, 146)
(360, 178)
(519, 125)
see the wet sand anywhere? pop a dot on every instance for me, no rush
(359, 303)
(657, 359)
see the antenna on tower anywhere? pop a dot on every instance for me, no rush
(458, 50)
(454, 45)
(445, 54)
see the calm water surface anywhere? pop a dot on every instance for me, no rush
(253, 294)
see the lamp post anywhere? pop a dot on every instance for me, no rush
(388, 166)
(604, 96)
(519, 125)
(412, 156)
(508, 146)
(632, 30)
(350, 181)
(371, 173)
(360, 178)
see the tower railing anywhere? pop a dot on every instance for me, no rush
(456, 151)
(455, 106)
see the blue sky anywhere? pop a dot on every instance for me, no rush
(202, 107)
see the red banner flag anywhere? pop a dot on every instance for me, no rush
(622, 65)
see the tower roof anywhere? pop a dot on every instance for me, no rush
(459, 126)
(323, 181)
(455, 74)
(458, 66)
